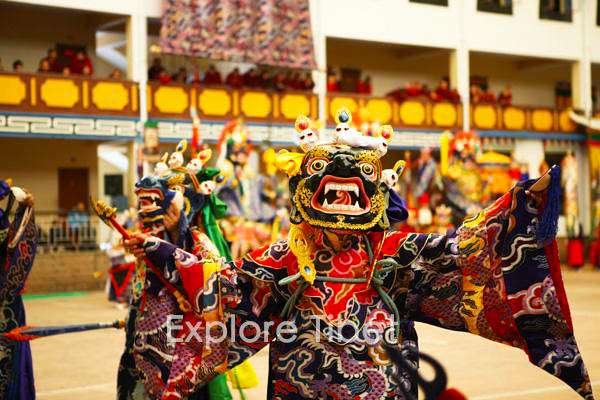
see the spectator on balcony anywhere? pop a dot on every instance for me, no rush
(44, 67)
(180, 76)
(309, 84)
(116, 74)
(279, 83)
(87, 71)
(251, 78)
(235, 79)
(333, 84)
(364, 85)
(487, 96)
(80, 62)
(442, 92)
(294, 81)
(212, 76)
(66, 71)
(52, 59)
(415, 89)
(265, 80)
(155, 69)
(475, 93)
(17, 66)
(164, 78)
(505, 97)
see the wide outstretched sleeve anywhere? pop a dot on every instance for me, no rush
(234, 313)
(498, 276)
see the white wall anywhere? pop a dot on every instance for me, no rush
(392, 21)
(532, 81)
(389, 67)
(34, 164)
(403, 22)
(27, 35)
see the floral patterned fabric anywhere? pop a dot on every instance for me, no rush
(266, 32)
(491, 278)
(16, 371)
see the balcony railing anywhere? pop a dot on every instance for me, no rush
(521, 118)
(223, 103)
(58, 232)
(57, 94)
(417, 113)
(40, 93)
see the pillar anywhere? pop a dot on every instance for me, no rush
(320, 45)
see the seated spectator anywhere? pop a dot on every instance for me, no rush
(442, 92)
(116, 74)
(180, 76)
(295, 83)
(333, 85)
(212, 76)
(52, 59)
(80, 62)
(475, 94)
(251, 78)
(265, 81)
(66, 71)
(279, 83)
(309, 84)
(17, 66)
(415, 89)
(164, 78)
(364, 86)
(155, 69)
(87, 71)
(234, 79)
(487, 96)
(44, 67)
(505, 96)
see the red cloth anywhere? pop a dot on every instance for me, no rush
(212, 78)
(234, 80)
(333, 87)
(575, 257)
(164, 79)
(364, 87)
(77, 65)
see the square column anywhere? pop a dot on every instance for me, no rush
(459, 80)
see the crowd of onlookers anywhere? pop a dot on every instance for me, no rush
(69, 62)
(443, 92)
(362, 85)
(262, 78)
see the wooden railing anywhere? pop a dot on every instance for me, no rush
(223, 103)
(521, 118)
(57, 94)
(40, 93)
(417, 113)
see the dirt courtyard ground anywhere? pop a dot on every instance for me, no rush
(84, 365)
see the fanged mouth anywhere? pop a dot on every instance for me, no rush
(149, 200)
(337, 195)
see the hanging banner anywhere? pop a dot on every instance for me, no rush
(264, 32)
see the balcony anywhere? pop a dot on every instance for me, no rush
(59, 105)
(415, 113)
(521, 118)
(57, 94)
(222, 103)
